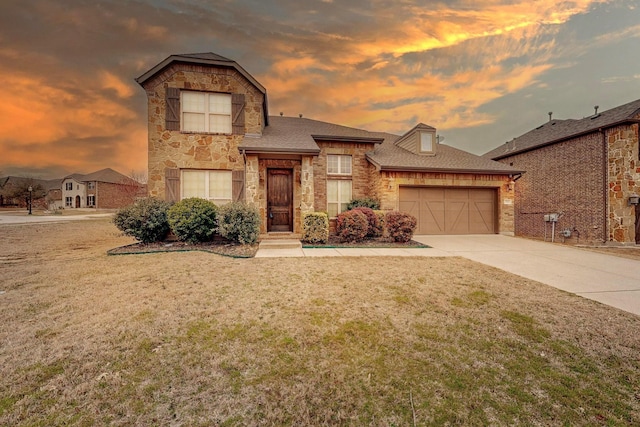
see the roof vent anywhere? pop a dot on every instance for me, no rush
(281, 114)
(300, 115)
(550, 113)
(595, 107)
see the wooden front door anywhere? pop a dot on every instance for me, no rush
(279, 200)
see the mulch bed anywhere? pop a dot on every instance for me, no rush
(217, 247)
(235, 250)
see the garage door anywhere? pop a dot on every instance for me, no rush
(451, 210)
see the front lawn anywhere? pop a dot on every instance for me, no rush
(194, 338)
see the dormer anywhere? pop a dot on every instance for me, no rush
(420, 140)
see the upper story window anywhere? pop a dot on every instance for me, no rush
(91, 185)
(206, 112)
(426, 142)
(68, 186)
(338, 164)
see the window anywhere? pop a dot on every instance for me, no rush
(91, 185)
(206, 112)
(214, 185)
(338, 165)
(68, 201)
(338, 196)
(426, 142)
(68, 186)
(91, 200)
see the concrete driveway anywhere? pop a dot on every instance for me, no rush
(605, 278)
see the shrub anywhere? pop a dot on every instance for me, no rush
(352, 226)
(400, 226)
(381, 222)
(315, 227)
(364, 202)
(374, 225)
(145, 220)
(193, 220)
(239, 222)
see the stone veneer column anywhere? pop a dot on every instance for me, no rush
(252, 181)
(624, 180)
(306, 185)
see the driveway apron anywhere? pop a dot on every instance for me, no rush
(605, 278)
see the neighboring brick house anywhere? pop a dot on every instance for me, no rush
(103, 189)
(587, 171)
(210, 136)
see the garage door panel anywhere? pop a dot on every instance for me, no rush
(442, 210)
(431, 219)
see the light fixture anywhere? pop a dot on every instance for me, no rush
(634, 199)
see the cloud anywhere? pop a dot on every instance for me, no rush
(68, 66)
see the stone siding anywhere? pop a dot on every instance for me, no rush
(623, 180)
(188, 150)
(387, 189)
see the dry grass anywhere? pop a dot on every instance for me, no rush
(194, 338)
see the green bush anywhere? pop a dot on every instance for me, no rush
(315, 227)
(352, 226)
(375, 229)
(364, 202)
(193, 220)
(400, 226)
(145, 220)
(239, 222)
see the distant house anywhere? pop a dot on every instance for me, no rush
(210, 136)
(14, 191)
(584, 172)
(103, 189)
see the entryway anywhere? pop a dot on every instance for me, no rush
(279, 200)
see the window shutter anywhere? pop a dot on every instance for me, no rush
(172, 185)
(237, 113)
(238, 185)
(172, 112)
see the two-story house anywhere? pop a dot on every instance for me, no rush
(210, 136)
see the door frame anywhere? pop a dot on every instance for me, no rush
(291, 194)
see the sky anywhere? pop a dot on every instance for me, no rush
(480, 71)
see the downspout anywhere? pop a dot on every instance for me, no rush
(244, 184)
(605, 174)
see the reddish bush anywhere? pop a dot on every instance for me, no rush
(352, 226)
(375, 228)
(400, 226)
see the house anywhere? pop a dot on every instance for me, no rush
(14, 191)
(103, 189)
(583, 178)
(211, 136)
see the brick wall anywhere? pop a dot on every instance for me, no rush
(114, 196)
(361, 170)
(566, 178)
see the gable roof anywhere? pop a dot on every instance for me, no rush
(389, 156)
(210, 59)
(294, 135)
(104, 175)
(297, 135)
(559, 130)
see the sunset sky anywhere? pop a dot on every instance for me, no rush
(480, 71)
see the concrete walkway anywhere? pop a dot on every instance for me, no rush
(605, 278)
